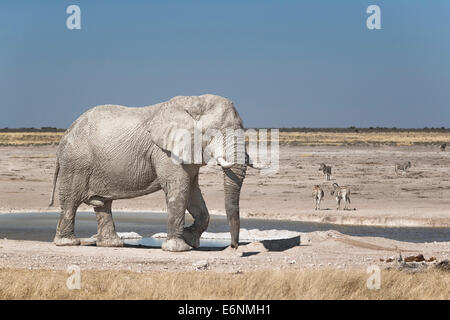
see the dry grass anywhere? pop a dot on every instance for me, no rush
(29, 138)
(401, 138)
(302, 284)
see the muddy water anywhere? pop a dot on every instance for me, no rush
(41, 227)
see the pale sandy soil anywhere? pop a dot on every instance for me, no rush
(321, 249)
(420, 198)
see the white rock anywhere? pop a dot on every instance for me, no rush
(200, 265)
(129, 235)
(246, 235)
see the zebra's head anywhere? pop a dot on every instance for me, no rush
(322, 166)
(335, 185)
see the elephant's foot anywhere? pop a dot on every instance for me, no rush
(66, 241)
(191, 238)
(175, 245)
(109, 242)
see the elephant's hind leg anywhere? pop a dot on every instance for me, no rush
(65, 233)
(71, 194)
(106, 230)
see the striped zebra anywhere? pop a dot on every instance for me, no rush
(318, 195)
(341, 193)
(402, 166)
(326, 170)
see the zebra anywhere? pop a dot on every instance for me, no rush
(341, 193)
(443, 146)
(318, 195)
(326, 170)
(402, 166)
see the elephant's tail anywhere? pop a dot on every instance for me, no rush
(55, 177)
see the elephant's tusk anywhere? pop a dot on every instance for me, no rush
(258, 166)
(223, 163)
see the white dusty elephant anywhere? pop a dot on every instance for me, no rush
(114, 152)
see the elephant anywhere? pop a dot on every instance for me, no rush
(115, 152)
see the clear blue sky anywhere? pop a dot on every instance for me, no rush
(284, 63)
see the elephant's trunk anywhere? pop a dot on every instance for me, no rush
(233, 178)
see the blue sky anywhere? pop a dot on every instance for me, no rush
(283, 63)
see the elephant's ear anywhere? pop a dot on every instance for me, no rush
(172, 118)
(173, 122)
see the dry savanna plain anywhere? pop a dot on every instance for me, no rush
(326, 265)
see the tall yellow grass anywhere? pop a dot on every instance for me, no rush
(300, 284)
(29, 138)
(400, 138)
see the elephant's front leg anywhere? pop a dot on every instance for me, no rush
(106, 234)
(199, 212)
(176, 206)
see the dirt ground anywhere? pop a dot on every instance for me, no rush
(320, 249)
(420, 197)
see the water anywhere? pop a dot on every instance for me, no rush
(42, 226)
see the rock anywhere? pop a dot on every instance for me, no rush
(418, 258)
(129, 235)
(201, 265)
(410, 266)
(254, 246)
(443, 265)
(281, 244)
(253, 235)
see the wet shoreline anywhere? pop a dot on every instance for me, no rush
(41, 226)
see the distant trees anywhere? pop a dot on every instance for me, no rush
(369, 129)
(42, 129)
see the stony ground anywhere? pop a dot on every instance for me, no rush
(320, 249)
